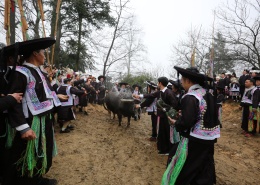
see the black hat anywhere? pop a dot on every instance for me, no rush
(101, 76)
(246, 70)
(176, 84)
(27, 47)
(257, 77)
(169, 86)
(193, 74)
(67, 80)
(151, 84)
(136, 85)
(123, 83)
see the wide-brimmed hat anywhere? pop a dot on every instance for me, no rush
(136, 85)
(10, 50)
(122, 83)
(27, 47)
(101, 76)
(193, 74)
(151, 84)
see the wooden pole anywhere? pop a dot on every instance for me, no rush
(7, 21)
(23, 20)
(55, 30)
(43, 27)
(211, 62)
(7, 8)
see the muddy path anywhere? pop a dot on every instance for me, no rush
(100, 152)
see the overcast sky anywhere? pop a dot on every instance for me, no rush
(165, 21)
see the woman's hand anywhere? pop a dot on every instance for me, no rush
(63, 97)
(172, 121)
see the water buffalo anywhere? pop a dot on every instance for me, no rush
(120, 103)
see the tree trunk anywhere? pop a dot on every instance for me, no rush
(57, 44)
(113, 41)
(79, 43)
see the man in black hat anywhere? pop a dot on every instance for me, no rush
(242, 80)
(7, 54)
(122, 86)
(151, 109)
(177, 90)
(166, 95)
(193, 162)
(101, 89)
(31, 119)
(93, 94)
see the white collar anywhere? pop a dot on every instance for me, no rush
(164, 89)
(248, 89)
(196, 86)
(30, 65)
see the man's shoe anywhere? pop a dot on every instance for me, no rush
(70, 127)
(65, 131)
(46, 181)
(163, 153)
(85, 113)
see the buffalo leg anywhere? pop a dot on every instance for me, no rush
(114, 116)
(128, 121)
(119, 119)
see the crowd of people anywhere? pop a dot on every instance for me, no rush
(32, 94)
(244, 90)
(185, 114)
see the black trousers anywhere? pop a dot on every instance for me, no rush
(244, 125)
(199, 167)
(2, 143)
(154, 124)
(163, 138)
(12, 175)
(242, 90)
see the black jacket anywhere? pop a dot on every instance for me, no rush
(6, 102)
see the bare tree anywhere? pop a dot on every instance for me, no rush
(135, 49)
(114, 50)
(182, 51)
(240, 25)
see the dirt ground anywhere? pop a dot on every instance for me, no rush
(98, 151)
